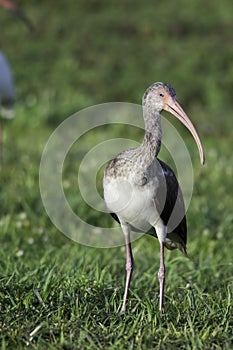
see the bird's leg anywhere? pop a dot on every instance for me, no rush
(129, 266)
(161, 276)
(161, 231)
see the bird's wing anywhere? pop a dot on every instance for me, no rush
(173, 210)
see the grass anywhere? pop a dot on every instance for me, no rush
(69, 297)
(57, 294)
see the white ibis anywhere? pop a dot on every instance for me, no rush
(7, 90)
(142, 192)
(7, 94)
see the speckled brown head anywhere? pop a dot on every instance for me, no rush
(161, 96)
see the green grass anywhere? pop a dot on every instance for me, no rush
(57, 294)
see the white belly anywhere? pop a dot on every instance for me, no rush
(133, 204)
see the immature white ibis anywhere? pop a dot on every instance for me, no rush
(7, 90)
(142, 192)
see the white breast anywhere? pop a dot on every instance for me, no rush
(133, 204)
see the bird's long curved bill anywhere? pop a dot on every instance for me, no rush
(174, 108)
(18, 12)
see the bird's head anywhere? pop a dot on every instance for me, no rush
(161, 96)
(157, 96)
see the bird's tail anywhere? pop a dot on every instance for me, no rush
(176, 245)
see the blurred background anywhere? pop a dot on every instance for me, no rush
(90, 52)
(83, 53)
(87, 52)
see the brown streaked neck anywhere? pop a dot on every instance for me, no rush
(153, 132)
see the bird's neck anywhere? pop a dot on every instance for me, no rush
(153, 132)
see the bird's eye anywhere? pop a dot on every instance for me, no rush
(161, 94)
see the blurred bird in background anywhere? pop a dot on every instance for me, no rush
(7, 88)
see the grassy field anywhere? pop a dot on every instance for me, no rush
(57, 294)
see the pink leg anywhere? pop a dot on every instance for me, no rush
(161, 276)
(129, 267)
